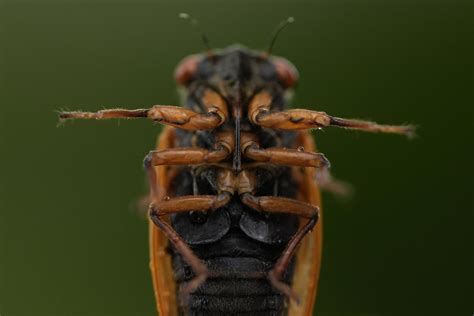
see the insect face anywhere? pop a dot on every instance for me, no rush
(236, 65)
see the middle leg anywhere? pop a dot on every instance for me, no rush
(184, 156)
(285, 156)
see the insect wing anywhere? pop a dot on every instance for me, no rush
(308, 257)
(161, 267)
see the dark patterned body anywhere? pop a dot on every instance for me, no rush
(236, 242)
(235, 217)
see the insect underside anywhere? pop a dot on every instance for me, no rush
(235, 210)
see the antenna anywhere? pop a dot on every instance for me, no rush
(195, 23)
(277, 31)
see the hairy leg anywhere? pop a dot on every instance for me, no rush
(215, 106)
(274, 204)
(260, 114)
(201, 203)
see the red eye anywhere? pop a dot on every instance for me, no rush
(286, 71)
(186, 69)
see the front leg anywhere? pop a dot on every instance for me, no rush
(260, 114)
(179, 117)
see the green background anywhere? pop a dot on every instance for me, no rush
(72, 240)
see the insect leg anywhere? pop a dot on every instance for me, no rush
(184, 156)
(259, 114)
(284, 156)
(216, 114)
(200, 203)
(277, 204)
(274, 204)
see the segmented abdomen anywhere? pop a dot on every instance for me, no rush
(241, 290)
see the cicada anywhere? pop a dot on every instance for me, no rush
(235, 210)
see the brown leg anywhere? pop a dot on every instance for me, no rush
(275, 275)
(186, 156)
(284, 156)
(178, 156)
(185, 204)
(275, 204)
(202, 203)
(169, 115)
(278, 204)
(198, 267)
(259, 114)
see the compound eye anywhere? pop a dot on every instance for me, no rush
(286, 71)
(186, 69)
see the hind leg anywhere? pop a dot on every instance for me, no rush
(275, 204)
(200, 203)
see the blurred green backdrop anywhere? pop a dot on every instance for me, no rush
(71, 240)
